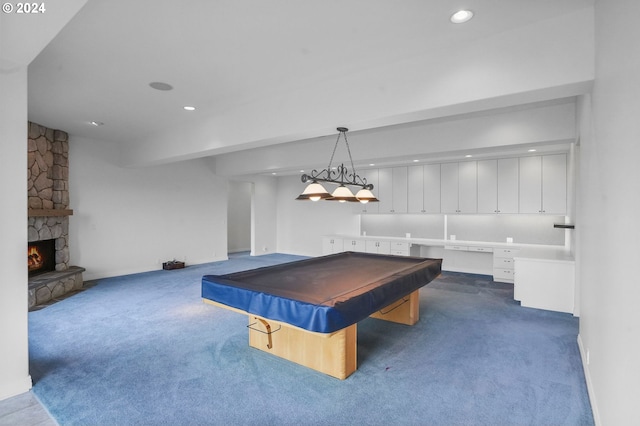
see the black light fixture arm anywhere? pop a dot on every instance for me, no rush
(340, 175)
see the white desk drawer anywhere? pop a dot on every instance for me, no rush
(506, 252)
(399, 246)
(482, 249)
(503, 262)
(503, 275)
(459, 248)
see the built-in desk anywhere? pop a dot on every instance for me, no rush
(478, 257)
(543, 275)
(545, 279)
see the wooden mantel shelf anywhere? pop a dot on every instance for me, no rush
(50, 212)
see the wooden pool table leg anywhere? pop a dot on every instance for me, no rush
(403, 311)
(334, 354)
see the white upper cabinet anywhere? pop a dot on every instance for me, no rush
(431, 188)
(392, 190)
(385, 190)
(554, 184)
(535, 184)
(459, 187)
(530, 184)
(424, 189)
(498, 186)
(449, 187)
(415, 185)
(488, 186)
(468, 187)
(508, 185)
(543, 184)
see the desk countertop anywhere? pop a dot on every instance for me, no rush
(527, 251)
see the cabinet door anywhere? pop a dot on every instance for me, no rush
(488, 186)
(355, 245)
(332, 245)
(508, 185)
(384, 247)
(381, 247)
(543, 184)
(423, 189)
(371, 175)
(371, 246)
(468, 187)
(449, 187)
(392, 190)
(554, 184)
(415, 189)
(385, 190)
(431, 188)
(399, 190)
(530, 184)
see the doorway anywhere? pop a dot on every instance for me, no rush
(239, 217)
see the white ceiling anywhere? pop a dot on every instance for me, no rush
(223, 54)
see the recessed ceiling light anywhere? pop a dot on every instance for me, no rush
(96, 123)
(468, 156)
(189, 108)
(461, 16)
(371, 164)
(158, 85)
(532, 150)
(416, 161)
(274, 173)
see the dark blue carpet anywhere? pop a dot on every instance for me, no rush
(145, 350)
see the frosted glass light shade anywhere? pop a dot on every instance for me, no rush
(314, 192)
(364, 196)
(342, 194)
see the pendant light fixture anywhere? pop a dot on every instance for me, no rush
(340, 176)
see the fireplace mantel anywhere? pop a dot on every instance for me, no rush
(50, 212)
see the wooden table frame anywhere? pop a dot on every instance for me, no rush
(334, 353)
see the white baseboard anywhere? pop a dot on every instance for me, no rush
(14, 388)
(238, 250)
(587, 376)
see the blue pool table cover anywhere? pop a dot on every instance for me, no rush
(322, 294)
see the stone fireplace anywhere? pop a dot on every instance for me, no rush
(48, 195)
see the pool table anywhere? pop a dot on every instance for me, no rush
(307, 311)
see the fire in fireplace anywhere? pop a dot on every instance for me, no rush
(41, 257)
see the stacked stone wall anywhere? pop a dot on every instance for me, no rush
(47, 168)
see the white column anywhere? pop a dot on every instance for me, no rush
(14, 351)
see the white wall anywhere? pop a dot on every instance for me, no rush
(607, 224)
(14, 361)
(301, 224)
(129, 220)
(239, 216)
